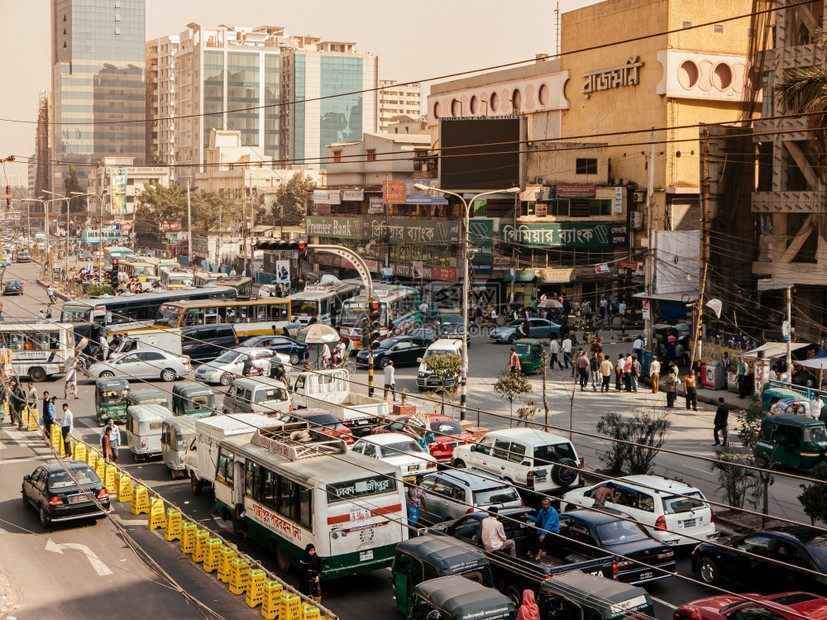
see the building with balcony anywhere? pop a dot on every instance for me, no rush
(398, 100)
(160, 100)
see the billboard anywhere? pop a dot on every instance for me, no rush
(117, 190)
(480, 154)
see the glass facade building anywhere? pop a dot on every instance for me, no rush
(98, 83)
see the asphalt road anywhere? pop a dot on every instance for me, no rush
(72, 579)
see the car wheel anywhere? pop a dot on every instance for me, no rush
(45, 519)
(564, 473)
(708, 571)
(26, 504)
(383, 361)
(168, 375)
(459, 464)
(295, 359)
(106, 374)
(195, 485)
(515, 595)
(37, 374)
(512, 338)
(763, 462)
(226, 379)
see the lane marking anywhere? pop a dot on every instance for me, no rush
(100, 567)
(664, 603)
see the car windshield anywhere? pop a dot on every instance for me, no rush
(522, 348)
(400, 447)
(499, 495)
(388, 343)
(72, 478)
(323, 419)
(13, 283)
(815, 433)
(75, 314)
(674, 504)
(279, 394)
(450, 319)
(446, 427)
(168, 315)
(547, 455)
(619, 532)
(228, 357)
(112, 396)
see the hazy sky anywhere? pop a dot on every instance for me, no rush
(414, 40)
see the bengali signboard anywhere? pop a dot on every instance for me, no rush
(353, 195)
(575, 191)
(410, 230)
(393, 192)
(566, 235)
(376, 206)
(327, 197)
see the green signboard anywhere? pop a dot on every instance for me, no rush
(566, 235)
(336, 227)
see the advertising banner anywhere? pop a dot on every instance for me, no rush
(416, 196)
(393, 192)
(376, 206)
(567, 235)
(327, 197)
(282, 272)
(117, 190)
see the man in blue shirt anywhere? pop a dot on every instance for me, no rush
(547, 521)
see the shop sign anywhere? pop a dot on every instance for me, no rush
(481, 233)
(411, 231)
(618, 200)
(547, 194)
(570, 235)
(556, 276)
(376, 206)
(445, 274)
(343, 227)
(373, 265)
(200, 244)
(418, 271)
(416, 196)
(521, 275)
(615, 77)
(327, 197)
(393, 192)
(353, 195)
(575, 191)
(403, 270)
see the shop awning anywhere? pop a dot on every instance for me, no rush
(773, 350)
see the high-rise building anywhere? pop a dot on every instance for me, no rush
(329, 92)
(98, 87)
(160, 100)
(43, 145)
(398, 100)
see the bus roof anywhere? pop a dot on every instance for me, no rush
(35, 327)
(197, 303)
(175, 295)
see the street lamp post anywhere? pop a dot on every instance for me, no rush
(43, 201)
(466, 243)
(66, 243)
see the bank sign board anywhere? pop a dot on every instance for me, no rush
(413, 231)
(566, 235)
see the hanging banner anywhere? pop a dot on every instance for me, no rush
(376, 206)
(417, 269)
(117, 190)
(283, 272)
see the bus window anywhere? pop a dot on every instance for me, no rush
(270, 489)
(286, 499)
(224, 472)
(211, 316)
(260, 312)
(305, 507)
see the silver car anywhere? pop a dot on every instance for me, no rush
(229, 364)
(450, 494)
(143, 365)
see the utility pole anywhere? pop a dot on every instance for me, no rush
(697, 350)
(650, 251)
(790, 337)
(189, 226)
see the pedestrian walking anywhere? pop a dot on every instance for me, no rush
(513, 364)
(425, 439)
(103, 347)
(654, 373)
(566, 348)
(423, 312)
(637, 346)
(390, 382)
(66, 427)
(311, 567)
(529, 609)
(619, 372)
(690, 388)
(31, 396)
(627, 373)
(51, 293)
(17, 400)
(71, 385)
(636, 370)
(594, 369)
(669, 386)
(415, 495)
(721, 423)
(583, 370)
(554, 352)
(114, 437)
(106, 445)
(606, 368)
(743, 369)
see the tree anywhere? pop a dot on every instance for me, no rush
(162, 204)
(634, 441)
(444, 366)
(511, 386)
(737, 481)
(290, 205)
(71, 185)
(814, 497)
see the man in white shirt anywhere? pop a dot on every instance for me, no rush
(566, 346)
(654, 374)
(554, 353)
(390, 381)
(66, 427)
(493, 536)
(104, 347)
(815, 406)
(423, 312)
(637, 345)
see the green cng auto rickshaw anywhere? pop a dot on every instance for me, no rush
(111, 398)
(578, 595)
(147, 396)
(530, 352)
(795, 441)
(458, 598)
(784, 400)
(193, 399)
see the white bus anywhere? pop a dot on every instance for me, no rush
(37, 350)
(322, 302)
(399, 312)
(298, 486)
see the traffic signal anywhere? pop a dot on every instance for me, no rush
(375, 317)
(278, 245)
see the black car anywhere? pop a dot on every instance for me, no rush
(639, 555)
(766, 561)
(403, 350)
(428, 334)
(203, 343)
(297, 351)
(65, 491)
(13, 287)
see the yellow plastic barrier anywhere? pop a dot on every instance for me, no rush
(24, 416)
(212, 554)
(187, 537)
(291, 607)
(79, 451)
(100, 468)
(239, 575)
(225, 556)
(157, 513)
(109, 473)
(34, 416)
(125, 493)
(56, 438)
(200, 549)
(140, 501)
(91, 458)
(255, 587)
(173, 527)
(311, 612)
(271, 599)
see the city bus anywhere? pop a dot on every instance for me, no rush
(92, 236)
(137, 267)
(115, 253)
(299, 487)
(257, 315)
(38, 350)
(399, 307)
(322, 302)
(128, 312)
(172, 278)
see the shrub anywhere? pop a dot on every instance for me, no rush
(635, 440)
(737, 482)
(814, 497)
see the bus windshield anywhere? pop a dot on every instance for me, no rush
(143, 270)
(75, 314)
(168, 315)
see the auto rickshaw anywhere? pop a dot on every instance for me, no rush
(795, 441)
(591, 597)
(111, 399)
(190, 398)
(455, 598)
(782, 400)
(176, 436)
(530, 352)
(147, 396)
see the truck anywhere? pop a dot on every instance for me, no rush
(329, 390)
(164, 340)
(202, 454)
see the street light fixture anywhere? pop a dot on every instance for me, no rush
(466, 243)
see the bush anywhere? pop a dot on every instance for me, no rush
(96, 290)
(737, 482)
(814, 497)
(750, 425)
(636, 441)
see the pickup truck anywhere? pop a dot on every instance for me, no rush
(329, 390)
(512, 574)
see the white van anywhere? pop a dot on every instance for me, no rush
(261, 395)
(424, 379)
(528, 458)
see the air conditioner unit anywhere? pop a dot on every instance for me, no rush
(639, 197)
(637, 220)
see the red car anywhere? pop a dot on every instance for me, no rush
(791, 605)
(447, 433)
(325, 423)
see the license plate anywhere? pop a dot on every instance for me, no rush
(689, 523)
(77, 499)
(646, 575)
(364, 556)
(413, 467)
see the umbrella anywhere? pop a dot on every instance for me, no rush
(549, 303)
(319, 333)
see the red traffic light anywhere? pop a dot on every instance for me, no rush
(302, 245)
(375, 305)
(279, 245)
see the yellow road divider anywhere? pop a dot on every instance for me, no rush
(79, 451)
(291, 607)
(91, 458)
(187, 537)
(157, 514)
(200, 550)
(239, 575)
(140, 501)
(172, 531)
(255, 587)
(271, 599)
(125, 493)
(225, 556)
(212, 554)
(109, 473)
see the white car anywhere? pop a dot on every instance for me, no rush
(672, 512)
(227, 366)
(397, 449)
(143, 365)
